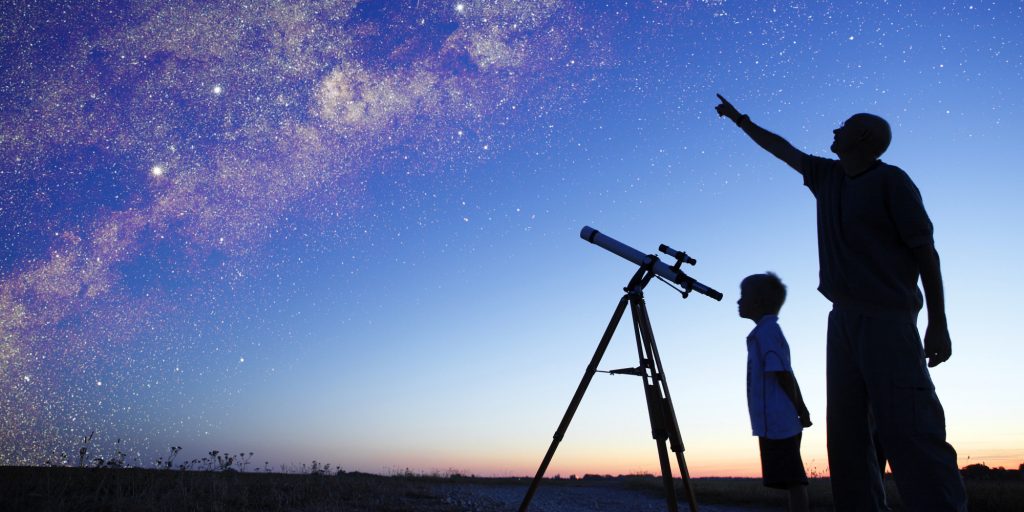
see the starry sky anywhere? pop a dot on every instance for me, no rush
(348, 231)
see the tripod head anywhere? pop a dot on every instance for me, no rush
(672, 274)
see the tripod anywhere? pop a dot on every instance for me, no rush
(659, 401)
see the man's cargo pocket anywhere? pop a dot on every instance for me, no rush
(916, 409)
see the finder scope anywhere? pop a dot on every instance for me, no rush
(670, 273)
(680, 256)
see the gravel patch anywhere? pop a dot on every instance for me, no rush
(611, 497)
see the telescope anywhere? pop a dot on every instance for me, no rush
(671, 273)
(664, 426)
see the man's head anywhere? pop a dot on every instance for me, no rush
(761, 294)
(863, 136)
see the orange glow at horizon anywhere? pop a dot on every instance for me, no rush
(719, 469)
(732, 466)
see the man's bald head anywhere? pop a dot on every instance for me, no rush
(872, 134)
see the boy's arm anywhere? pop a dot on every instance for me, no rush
(772, 143)
(792, 390)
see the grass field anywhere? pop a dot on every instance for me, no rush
(132, 489)
(983, 495)
(45, 489)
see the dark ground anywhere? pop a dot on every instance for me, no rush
(55, 489)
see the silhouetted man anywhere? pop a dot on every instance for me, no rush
(874, 242)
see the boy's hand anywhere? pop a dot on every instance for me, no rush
(805, 418)
(726, 109)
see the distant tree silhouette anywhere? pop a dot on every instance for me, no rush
(983, 472)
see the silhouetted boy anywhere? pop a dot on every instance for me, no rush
(777, 410)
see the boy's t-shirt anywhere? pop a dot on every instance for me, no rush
(772, 413)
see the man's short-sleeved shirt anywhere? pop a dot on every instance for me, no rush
(868, 226)
(772, 413)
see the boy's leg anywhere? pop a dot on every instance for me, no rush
(798, 499)
(856, 483)
(782, 468)
(910, 418)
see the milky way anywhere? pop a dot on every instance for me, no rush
(192, 191)
(150, 154)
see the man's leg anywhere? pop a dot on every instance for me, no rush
(856, 484)
(910, 418)
(876, 438)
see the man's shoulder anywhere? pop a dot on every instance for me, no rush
(815, 162)
(892, 177)
(893, 172)
(820, 172)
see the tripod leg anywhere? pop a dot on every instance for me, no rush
(574, 404)
(652, 392)
(684, 473)
(660, 400)
(666, 477)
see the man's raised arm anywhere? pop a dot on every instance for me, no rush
(771, 142)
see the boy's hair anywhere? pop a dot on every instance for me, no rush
(768, 289)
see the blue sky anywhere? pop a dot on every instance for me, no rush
(350, 232)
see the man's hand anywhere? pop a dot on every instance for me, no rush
(726, 109)
(937, 345)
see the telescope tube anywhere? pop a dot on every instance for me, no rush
(659, 267)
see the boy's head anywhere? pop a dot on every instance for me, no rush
(760, 295)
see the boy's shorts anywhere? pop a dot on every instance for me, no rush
(781, 465)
